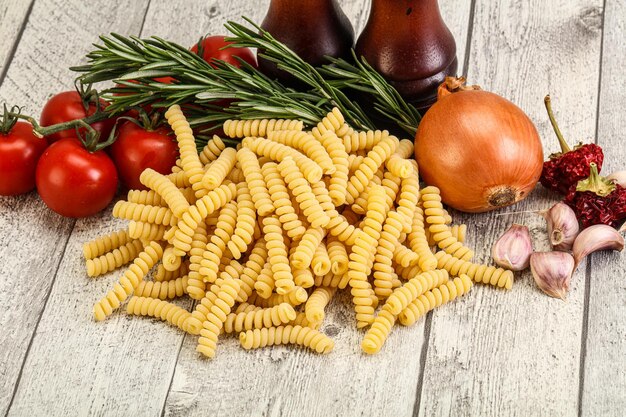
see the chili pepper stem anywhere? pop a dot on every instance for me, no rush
(595, 183)
(564, 146)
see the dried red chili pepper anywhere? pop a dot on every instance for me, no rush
(598, 200)
(564, 169)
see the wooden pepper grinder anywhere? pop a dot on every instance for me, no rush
(311, 28)
(411, 46)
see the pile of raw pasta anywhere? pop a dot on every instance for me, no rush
(263, 236)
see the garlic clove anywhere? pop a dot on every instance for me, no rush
(595, 238)
(562, 226)
(512, 251)
(618, 177)
(552, 272)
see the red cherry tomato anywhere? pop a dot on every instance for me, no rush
(137, 149)
(211, 50)
(67, 106)
(20, 150)
(73, 181)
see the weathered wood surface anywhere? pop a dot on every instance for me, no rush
(498, 353)
(604, 351)
(13, 15)
(491, 353)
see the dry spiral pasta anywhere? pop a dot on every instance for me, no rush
(163, 274)
(406, 294)
(149, 197)
(252, 269)
(129, 281)
(256, 183)
(245, 128)
(479, 273)
(440, 231)
(303, 194)
(339, 158)
(307, 144)
(419, 242)
(245, 222)
(305, 250)
(187, 147)
(434, 298)
(164, 290)
(104, 244)
(282, 203)
(217, 172)
(114, 259)
(277, 256)
(363, 141)
(338, 256)
(265, 284)
(370, 165)
(404, 256)
(146, 231)
(278, 152)
(383, 266)
(459, 232)
(317, 302)
(320, 264)
(196, 287)
(295, 297)
(211, 328)
(170, 194)
(144, 213)
(398, 164)
(259, 318)
(153, 307)
(331, 280)
(211, 150)
(281, 335)
(408, 198)
(217, 244)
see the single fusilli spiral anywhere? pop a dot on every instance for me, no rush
(256, 183)
(384, 273)
(296, 297)
(211, 328)
(303, 254)
(439, 230)
(104, 244)
(434, 298)
(187, 147)
(149, 197)
(166, 189)
(265, 284)
(252, 270)
(217, 243)
(331, 280)
(217, 172)
(404, 256)
(262, 127)
(179, 179)
(320, 264)
(459, 232)
(154, 307)
(211, 150)
(339, 158)
(403, 296)
(259, 318)
(129, 281)
(363, 141)
(163, 274)
(332, 122)
(196, 287)
(338, 255)
(317, 302)
(277, 255)
(281, 335)
(165, 290)
(146, 231)
(301, 320)
(278, 152)
(378, 333)
(114, 259)
(408, 198)
(479, 273)
(398, 163)
(419, 242)
(144, 213)
(303, 194)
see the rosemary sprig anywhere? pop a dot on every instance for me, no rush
(138, 65)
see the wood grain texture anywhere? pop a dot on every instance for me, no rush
(516, 353)
(13, 15)
(32, 249)
(605, 368)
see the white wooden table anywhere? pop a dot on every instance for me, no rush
(492, 353)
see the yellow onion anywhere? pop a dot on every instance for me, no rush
(479, 149)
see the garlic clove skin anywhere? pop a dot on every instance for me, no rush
(595, 238)
(552, 272)
(618, 177)
(512, 251)
(562, 226)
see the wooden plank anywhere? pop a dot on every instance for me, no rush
(286, 381)
(33, 238)
(604, 366)
(516, 353)
(13, 15)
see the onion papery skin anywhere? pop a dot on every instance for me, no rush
(479, 149)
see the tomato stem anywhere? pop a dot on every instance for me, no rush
(42, 131)
(564, 146)
(8, 119)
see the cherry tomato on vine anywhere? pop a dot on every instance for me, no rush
(73, 181)
(67, 106)
(211, 46)
(137, 148)
(20, 150)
